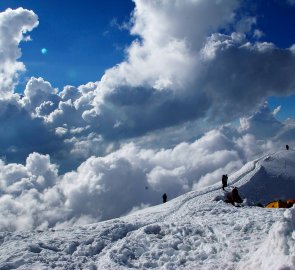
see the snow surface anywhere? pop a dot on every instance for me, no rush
(194, 231)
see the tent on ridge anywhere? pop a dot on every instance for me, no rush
(280, 204)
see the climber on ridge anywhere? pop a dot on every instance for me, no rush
(164, 197)
(224, 181)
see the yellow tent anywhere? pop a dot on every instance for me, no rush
(280, 204)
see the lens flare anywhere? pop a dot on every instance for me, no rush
(44, 51)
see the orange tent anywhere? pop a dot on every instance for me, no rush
(280, 204)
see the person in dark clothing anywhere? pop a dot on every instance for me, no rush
(235, 196)
(287, 147)
(224, 181)
(228, 198)
(164, 197)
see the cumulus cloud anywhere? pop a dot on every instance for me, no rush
(161, 57)
(31, 192)
(39, 96)
(178, 73)
(159, 68)
(14, 24)
(262, 123)
(24, 189)
(264, 128)
(245, 74)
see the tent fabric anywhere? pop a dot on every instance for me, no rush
(281, 204)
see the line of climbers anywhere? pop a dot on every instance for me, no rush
(233, 196)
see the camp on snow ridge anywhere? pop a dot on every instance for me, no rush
(267, 189)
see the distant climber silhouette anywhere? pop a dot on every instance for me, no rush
(164, 197)
(224, 181)
(287, 147)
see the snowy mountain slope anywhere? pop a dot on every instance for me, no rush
(193, 231)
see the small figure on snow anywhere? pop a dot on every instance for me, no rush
(224, 181)
(164, 197)
(235, 196)
(287, 147)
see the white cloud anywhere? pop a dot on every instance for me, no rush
(176, 73)
(24, 204)
(165, 55)
(219, 42)
(40, 166)
(70, 92)
(248, 143)
(277, 110)
(33, 191)
(39, 96)
(35, 196)
(262, 123)
(14, 24)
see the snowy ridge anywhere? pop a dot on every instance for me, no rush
(193, 231)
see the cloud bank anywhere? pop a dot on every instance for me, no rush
(36, 195)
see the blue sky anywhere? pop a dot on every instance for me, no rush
(276, 19)
(81, 38)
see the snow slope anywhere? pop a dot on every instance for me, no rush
(193, 231)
